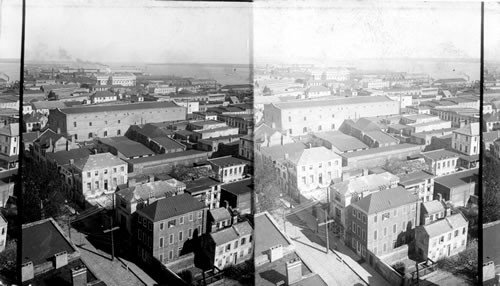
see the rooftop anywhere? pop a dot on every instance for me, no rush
(200, 184)
(445, 225)
(219, 214)
(458, 179)
(156, 189)
(98, 161)
(414, 178)
(171, 207)
(471, 129)
(434, 206)
(168, 156)
(440, 154)
(240, 187)
(385, 200)
(320, 103)
(267, 234)
(372, 151)
(227, 161)
(43, 239)
(365, 183)
(232, 233)
(119, 107)
(127, 147)
(341, 141)
(312, 156)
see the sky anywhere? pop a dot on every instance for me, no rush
(492, 32)
(10, 29)
(311, 32)
(138, 31)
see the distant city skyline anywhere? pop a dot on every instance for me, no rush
(145, 31)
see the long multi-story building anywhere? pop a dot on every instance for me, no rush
(301, 117)
(466, 140)
(87, 122)
(382, 221)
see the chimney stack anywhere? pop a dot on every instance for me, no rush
(27, 271)
(61, 259)
(293, 271)
(276, 252)
(447, 211)
(440, 197)
(79, 276)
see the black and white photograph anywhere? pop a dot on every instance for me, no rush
(367, 142)
(135, 116)
(10, 70)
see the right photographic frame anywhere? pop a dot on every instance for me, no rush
(367, 143)
(491, 145)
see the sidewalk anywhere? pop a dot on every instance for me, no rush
(342, 253)
(113, 273)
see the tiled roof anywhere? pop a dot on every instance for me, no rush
(312, 156)
(231, 233)
(147, 190)
(98, 161)
(48, 135)
(434, 206)
(127, 147)
(445, 225)
(219, 214)
(62, 157)
(171, 207)
(386, 200)
(227, 161)
(363, 183)
(414, 177)
(11, 130)
(471, 129)
(341, 141)
(440, 154)
(373, 151)
(200, 184)
(381, 137)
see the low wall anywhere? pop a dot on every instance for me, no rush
(386, 270)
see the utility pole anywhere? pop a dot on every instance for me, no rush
(111, 229)
(326, 229)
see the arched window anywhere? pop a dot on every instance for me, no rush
(304, 130)
(90, 135)
(105, 133)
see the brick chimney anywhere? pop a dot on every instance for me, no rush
(27, 271)
(276, 252)
(61, 259)
(79, 276)
(293, 271)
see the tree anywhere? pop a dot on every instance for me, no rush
(464, 263)
(42, 192)
(186, 174)
(491, 189)
(266, 185)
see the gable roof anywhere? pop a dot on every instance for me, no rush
(231, 233)
(156, 189)
(312, 156)
(445, 225)
(98, 161)
(171, 207)
(386, 200)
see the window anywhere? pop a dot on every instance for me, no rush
(161, 225)
(304, 180)
(228, 247)
(386, 216)
(375, 235)
(449, 236)
(199, 214)
(88, 175)
(191, 217)
(105, 171)
(90, 123)
(170, 255)
(96, 173)
(375, 218)
(171, 223)
(171, 239)
(439, 165)
(190, 233)
(385, 231)
(354, 227)
(114, 170)
(181, 220)
(74, 124)
(180, 235)
(118, 132)
(97, 184)
(161, 241)
(394, 228)
(463, 231)
(243, 241)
